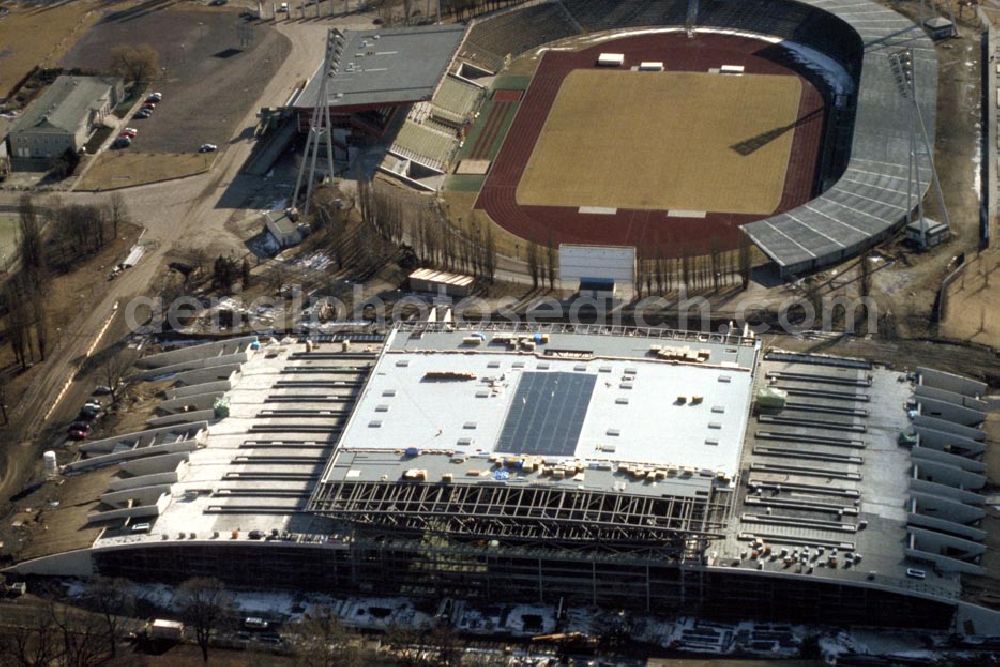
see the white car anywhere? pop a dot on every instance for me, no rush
(208, 148)
(283, 7)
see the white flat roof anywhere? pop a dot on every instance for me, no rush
(632, 413)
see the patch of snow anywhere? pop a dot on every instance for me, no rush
(264, 245)
(832, 72)
(977, 159)
(318, 260)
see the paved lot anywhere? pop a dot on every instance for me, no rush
(210, 78)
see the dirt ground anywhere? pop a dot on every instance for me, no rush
(677, 152)
(126, 168)
(38, 34)
(973, 302)
(214, 66)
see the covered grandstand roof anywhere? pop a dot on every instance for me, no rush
(869, 199)
(388, 66)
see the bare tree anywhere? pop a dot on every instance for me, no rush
(113, 363)
(550, 261)
(17, 299)
(80, 633)
(745, 262)
(29, 235)
(3, 399)
(117, 211)
(135, 64)
(532, 261)
(40, 319)
(31, 644)
(206, 606)
(324, 642)
(112, 599)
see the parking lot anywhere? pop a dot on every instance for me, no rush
(213, 67)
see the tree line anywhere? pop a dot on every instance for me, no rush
(50, 241)
(713, 272)
(388, 225)
(91, 628)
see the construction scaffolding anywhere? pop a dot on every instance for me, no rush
(486, 510)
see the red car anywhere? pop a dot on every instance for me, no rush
(76, 434)
(149, 105)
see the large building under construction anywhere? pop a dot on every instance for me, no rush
(655, 470)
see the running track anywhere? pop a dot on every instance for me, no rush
(647, 230)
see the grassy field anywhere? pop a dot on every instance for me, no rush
(8, 238)
(670, 140)
(120, 169)
(973, 312)
(33, 35)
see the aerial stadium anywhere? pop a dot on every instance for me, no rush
(647, 469)
(655, 470)
(678, 128)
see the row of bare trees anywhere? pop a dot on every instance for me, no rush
(713, 272)
(89, 630)
(50, 241)
(389, 221)
(54, 633)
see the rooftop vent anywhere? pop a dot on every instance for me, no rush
(375, 423)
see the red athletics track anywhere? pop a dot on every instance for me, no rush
(647, 230)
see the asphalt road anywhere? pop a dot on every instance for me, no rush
(187, 213)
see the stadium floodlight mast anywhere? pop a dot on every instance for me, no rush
(320, 128)
(901, 62)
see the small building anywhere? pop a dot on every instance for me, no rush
(283, 225)
(429, 280)
(61, 119)
(936, 233)
(939, 28)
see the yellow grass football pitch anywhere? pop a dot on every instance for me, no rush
(665, 140)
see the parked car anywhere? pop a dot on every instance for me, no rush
(143, 113)
(154, 97)
(149, 105)
(208, 148)
(130, 132)
(283, 7)
(77, 434)
(79, 426)
(101, 390)
(122, 142)
(218, 3)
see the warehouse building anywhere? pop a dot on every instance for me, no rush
(61, 120)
